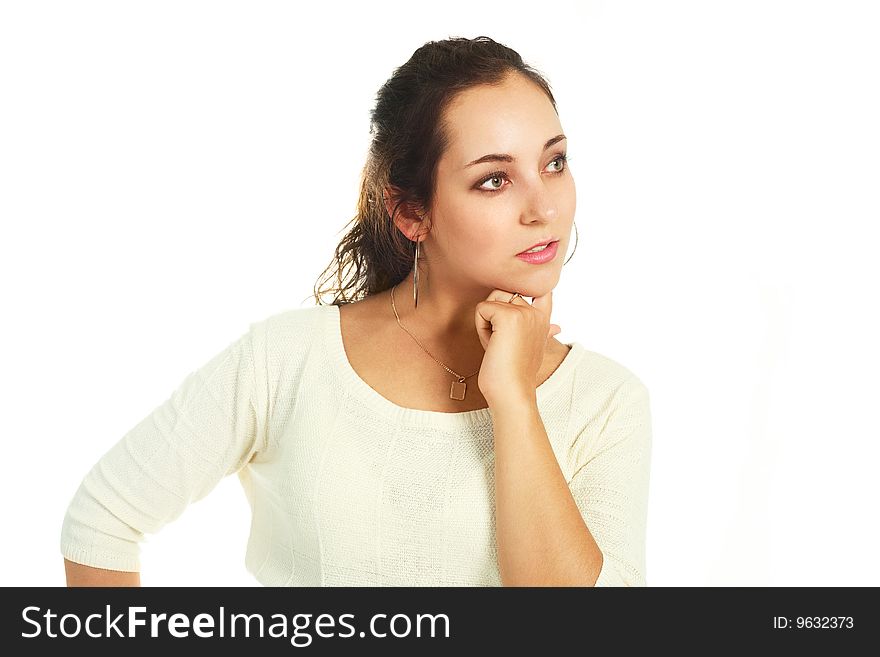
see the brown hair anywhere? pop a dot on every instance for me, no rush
(409, 139)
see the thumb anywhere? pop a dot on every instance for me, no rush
(544, 302)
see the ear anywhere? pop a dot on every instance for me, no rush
(407, 219)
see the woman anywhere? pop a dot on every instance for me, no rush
(536, 475)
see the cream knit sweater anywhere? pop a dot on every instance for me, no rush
(347, 488)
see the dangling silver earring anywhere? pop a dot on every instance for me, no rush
(416, 277)
(575, 244)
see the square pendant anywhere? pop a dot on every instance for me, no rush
(457, 390)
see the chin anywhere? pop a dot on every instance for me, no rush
(531, 289)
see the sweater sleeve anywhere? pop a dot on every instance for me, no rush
(210, 427)
(611, 488)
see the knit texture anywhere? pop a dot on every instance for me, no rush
(347, 488)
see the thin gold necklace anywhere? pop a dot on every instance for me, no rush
(459, 387)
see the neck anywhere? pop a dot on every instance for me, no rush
(444, 315)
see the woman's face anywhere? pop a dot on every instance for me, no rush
(484, 214)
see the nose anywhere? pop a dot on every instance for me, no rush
(540, 204)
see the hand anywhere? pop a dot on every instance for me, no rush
(515, 337)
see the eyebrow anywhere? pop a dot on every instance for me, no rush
(504, 157)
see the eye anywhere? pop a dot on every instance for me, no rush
(561, 159)
(496, 175)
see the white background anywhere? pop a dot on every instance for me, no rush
(172, 171)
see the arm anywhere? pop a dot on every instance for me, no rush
(210, 426)
(541, 537)
(80, 575)
(611, 486)
(591, 531)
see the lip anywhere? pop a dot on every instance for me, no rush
(540, 257)
(541, 243)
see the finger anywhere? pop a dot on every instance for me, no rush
(505, 296)
(544, 302)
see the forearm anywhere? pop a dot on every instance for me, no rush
(80, 575)
(541, 536)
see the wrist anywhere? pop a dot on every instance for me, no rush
(514, 400)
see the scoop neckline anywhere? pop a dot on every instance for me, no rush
(479, 417)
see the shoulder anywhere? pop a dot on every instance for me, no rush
(295, 321)
(292, 331)
(607, 375)
(295, 318)
(606, 389)
(611, 406)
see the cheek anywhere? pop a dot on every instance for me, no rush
(477, 236)
(474, 226)
(566, 197)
